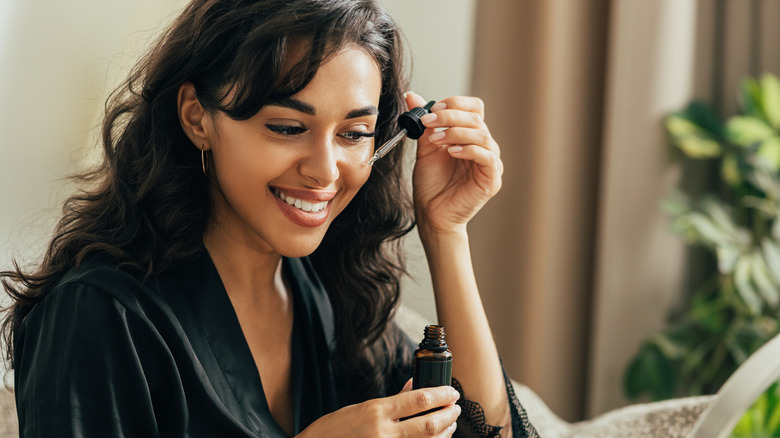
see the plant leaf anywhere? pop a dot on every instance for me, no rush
(722, 217)
(747, 131)
(744, 427)
(773, 420)
(772, 257)
(708, 232)
(729, 170)
(676, 204)
(751, 98)
(650, 371)
(727, 259)
(692, 139)
(744, 287)
(770, 98)
(769, 151)
(699, 148)
(704, 116)
(764, 284)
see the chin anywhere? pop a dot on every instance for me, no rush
(299, 249)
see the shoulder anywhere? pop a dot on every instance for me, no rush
(86, 357)
(93, 301)
(99, 274)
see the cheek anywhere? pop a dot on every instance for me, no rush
(359, 155)
(354, 171)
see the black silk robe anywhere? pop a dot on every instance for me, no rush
(106, 355)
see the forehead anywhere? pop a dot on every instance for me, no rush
(351, 78)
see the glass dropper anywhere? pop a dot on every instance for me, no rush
(411, 127)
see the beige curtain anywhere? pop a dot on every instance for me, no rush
(575, 262)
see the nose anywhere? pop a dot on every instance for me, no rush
(320, 164)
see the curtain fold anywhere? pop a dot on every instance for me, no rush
(539, 66)
(575, 261)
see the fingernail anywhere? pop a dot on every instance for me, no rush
(458, 408)
(455, 393)
(436, 136)
(407, 93)
(438, 106)
(454, 149)
(453, 427)
(429, 118)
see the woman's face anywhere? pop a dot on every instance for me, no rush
(288, 171)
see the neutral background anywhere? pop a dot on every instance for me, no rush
(573, 257)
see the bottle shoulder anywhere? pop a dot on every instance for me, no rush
(426, 354)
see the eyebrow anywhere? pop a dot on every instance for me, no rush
(370, 110)
(299, 105)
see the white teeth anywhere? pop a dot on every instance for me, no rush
(301, 204)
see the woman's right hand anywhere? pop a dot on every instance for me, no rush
(381, 417)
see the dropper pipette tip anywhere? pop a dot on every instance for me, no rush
(390, 144)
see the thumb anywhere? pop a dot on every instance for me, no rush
(407, 387)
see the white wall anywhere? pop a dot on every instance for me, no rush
(60, 59)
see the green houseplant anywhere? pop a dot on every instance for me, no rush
(734, 312)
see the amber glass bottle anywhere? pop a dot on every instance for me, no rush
(432, 361)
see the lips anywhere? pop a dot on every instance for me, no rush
(305, 208)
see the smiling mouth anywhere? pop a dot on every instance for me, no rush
(300, 204)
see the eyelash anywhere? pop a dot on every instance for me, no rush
(286, 130)
(357, 137)
(291, 131)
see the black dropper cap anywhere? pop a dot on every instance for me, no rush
(410, 120)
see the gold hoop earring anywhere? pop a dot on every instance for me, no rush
(203, 160)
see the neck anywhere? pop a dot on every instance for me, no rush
(251, 275)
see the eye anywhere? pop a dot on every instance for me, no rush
(357, 136)
(286, 129)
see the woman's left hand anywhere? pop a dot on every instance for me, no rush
(458, 169)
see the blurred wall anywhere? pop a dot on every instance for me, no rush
(60, 59)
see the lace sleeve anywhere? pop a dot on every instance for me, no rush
(472, 419)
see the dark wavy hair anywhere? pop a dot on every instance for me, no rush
(147, 205)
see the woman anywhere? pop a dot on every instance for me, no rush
(233, 268)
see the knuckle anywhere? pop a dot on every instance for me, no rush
(484, 137)
(457, 101)
(372, 410)
(424, 399)
(480, 105)
(431, 426)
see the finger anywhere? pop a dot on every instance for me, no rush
(479, 155)
(437, 423)
(464, 136)
(464, 103)
(414, 100)
(447, 433)
(413, 402)
(450, 118)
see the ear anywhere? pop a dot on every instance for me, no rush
(195, 121)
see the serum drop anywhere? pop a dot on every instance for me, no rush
(432, 361)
